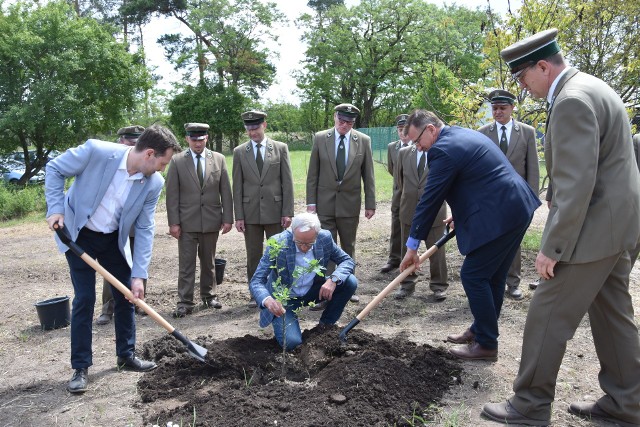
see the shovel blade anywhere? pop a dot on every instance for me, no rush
(194, 350)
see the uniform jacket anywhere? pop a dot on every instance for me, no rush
(636, 148)
(332, 197)
(486, 196)
(412, 187)
(324, 250)
(195, 209)
(392, 157)
(93, 164)
(522, 152)
(266, 198)
(595, 207)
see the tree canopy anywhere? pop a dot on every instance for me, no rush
(63, 78)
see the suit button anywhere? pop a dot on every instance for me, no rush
(557, 251)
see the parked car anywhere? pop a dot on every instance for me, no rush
(12, 171)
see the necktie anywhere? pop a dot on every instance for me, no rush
(199, 170)
(259, 160)
(340, 161)
(503, 140)
(421, 163)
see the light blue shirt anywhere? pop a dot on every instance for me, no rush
(304, 282)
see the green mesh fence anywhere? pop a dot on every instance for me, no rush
(380, 139)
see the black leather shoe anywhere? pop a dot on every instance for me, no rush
(506, 414)
(514, 293)
(534, 286)
(403, 293)
(388, 267)
(103, 319)
(181, 312)
(79, 380)
(132, 363)
(211, 303)
(591, 410)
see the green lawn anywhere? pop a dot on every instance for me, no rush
(300, 165)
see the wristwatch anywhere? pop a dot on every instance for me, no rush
(335, 279)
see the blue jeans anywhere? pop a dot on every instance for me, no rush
(291, 337)
(484, 276)
(103, 248)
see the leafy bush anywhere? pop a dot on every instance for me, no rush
(16, 202)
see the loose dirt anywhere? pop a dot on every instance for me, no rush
(394, 370)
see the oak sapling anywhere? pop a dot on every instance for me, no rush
(282, 292)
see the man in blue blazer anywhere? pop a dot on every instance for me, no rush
(492, 207)
(115, 191)
(302, 244)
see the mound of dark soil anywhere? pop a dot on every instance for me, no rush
(370, 381)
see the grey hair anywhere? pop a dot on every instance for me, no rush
(421, 118)
(306, 221)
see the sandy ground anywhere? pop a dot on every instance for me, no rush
(35, 364)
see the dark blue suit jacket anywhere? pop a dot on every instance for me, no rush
(486, 196)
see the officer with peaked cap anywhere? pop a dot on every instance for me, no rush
(410, 177)
(340, 167)
(199, 206)
(392, 155)
(262, 187)
(584, 257)
(518, 141)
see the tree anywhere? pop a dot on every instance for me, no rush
(228, 40)
(62, 78)
(598, 37)
(213, 104)
(377, 54)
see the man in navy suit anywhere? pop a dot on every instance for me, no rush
(115, 192)
(302, 244)
(492, 207)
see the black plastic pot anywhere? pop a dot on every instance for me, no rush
(220, 264)
(54, 313)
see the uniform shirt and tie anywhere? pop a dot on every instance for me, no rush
(342, 153)
(197, 162)
(504, 134)
(258, 152)
(422, 163)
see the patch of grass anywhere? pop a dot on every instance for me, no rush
(531, 240)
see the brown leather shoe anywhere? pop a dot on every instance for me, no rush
(466, 337)
(388, 267)
(506, 414)
(474, 351)
(591, 410)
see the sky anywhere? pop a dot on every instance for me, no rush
(291, 49)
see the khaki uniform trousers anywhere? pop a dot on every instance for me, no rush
(346, 229)
(254, 237)
(601, 289)
(190, 245)
(438, 274)
(395, 240)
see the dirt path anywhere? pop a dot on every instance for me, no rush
(35, 364)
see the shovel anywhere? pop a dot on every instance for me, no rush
(194, 349)
(391, 286)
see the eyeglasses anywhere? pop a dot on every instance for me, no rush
(519, 76)
(305, 244)
(417, 140)
(345, 122)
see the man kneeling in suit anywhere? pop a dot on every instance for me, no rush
(303, 243)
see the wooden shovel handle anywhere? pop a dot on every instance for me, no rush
(65, 237)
